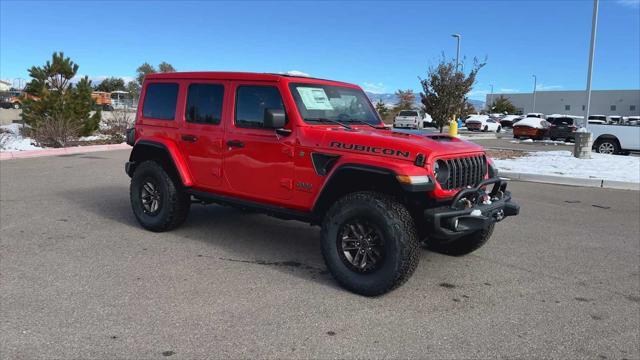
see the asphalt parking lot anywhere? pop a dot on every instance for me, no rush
(80, 279)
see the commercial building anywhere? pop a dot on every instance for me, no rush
(603, 102)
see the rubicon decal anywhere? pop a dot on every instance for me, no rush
(370, 149)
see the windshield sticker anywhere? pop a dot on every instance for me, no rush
(314, 98)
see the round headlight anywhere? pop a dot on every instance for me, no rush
(441, 171)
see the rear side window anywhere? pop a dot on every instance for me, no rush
(408, 113)
(204, 103)
(160, 101)
(251, 103)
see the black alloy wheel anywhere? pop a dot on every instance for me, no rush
(361, 245)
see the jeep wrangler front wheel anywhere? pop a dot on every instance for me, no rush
(157, 200)
(369, 243)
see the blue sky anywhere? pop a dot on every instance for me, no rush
(382, 46)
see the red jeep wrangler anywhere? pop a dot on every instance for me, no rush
(311, 150)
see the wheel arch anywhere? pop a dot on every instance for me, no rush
(166, 154)
(349, 178)
(603, 137)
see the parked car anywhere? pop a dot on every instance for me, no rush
(615, 139)
(631, 120)
(535, 115)
(597, 119)
(531, 127)
(507, 121)
(614, 119)
(483, 123)
(316, 151)
(561, 127)
(412, 119)
(13, 99)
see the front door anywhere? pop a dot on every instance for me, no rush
(202, 134)
(258, 162)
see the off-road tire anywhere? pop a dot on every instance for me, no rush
(461, 246)
(401, 246)
(174, 201)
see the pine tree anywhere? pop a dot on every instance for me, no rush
(111, 84)
(382, 110)
(61, 111)
(165, 67)
(144, 70)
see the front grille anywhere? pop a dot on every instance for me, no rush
(465, 171)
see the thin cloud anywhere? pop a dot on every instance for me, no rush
(543, 87)
(509, 90)
(374, 88)
(635, 4)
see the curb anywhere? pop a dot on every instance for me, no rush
(563, 180)
(10, 155)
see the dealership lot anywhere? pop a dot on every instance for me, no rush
(80, 278)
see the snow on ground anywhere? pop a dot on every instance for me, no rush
(548, 142)
(12, 140)
(94, 137)
(562, 163)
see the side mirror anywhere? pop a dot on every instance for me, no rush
(274, 118)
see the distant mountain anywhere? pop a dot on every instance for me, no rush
(388, 99)
(478, 104)
(391, 99)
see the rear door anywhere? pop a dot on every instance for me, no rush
(202, 134)
(258, 163)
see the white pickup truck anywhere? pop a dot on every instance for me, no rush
(615, 139)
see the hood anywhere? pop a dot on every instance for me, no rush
(392, 144)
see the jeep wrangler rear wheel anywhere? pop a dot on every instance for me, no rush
(157, 200)
(369, 243)
(461, 246)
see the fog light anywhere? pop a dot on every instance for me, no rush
(455, 224)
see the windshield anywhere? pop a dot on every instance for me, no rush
(325, 103)
(408, 113)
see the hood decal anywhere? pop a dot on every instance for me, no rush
(370, 149)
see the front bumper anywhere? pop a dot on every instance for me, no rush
(472, 209)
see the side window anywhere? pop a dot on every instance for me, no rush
(160, 101)
(204, 103)
(251, 103)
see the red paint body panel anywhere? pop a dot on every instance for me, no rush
(269, 168)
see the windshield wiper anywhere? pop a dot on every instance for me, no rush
(330, 121)
(366, 123)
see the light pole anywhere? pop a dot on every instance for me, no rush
(582, 147)
(491, 99)
(535, 84)
(457, 36)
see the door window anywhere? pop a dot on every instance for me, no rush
(251, 103)
(204, 103)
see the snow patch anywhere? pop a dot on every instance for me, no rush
(562, 163)
(94, 137)
(12, 140)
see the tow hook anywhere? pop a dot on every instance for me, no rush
(499, 215)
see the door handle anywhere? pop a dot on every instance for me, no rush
(189, 138)
(235, 143)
